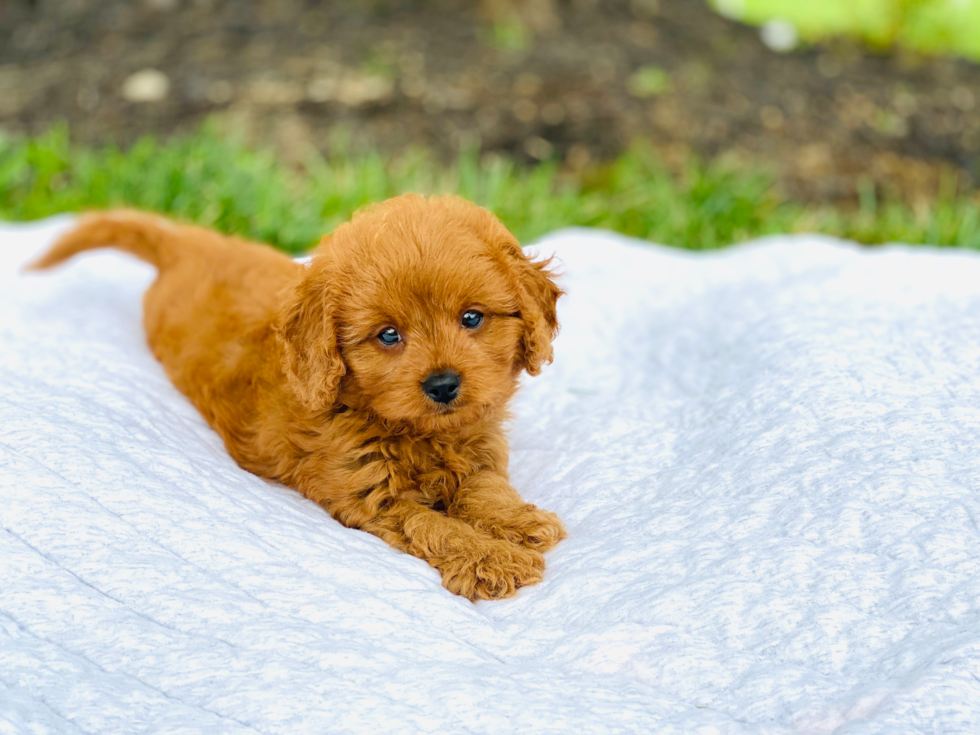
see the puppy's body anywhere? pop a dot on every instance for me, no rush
(284, 361)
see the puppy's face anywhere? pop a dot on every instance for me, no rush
(423, 312)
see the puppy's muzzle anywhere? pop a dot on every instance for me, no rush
(442, 387)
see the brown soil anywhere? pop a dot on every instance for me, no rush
(441, 74)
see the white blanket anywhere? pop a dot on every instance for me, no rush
(767, 459)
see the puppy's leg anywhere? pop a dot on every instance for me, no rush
(472, 564)
(487, 502)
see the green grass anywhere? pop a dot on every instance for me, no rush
(931, 26)
(209, 179)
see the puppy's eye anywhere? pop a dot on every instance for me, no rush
(472, 319)
(389, 337)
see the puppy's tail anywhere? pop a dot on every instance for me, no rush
(148, 237)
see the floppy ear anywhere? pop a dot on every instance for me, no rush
(307, 335)
(537, 297)
(537, 292)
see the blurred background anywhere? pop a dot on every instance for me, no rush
(841, 106)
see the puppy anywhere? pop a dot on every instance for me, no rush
(373, 379)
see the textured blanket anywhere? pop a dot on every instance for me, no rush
(767, 458)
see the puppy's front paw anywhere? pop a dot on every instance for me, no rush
(528, 526)
(492, 571)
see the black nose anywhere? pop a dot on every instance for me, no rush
(442, 387)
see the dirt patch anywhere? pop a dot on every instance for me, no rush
(597, 75)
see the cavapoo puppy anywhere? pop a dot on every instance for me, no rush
(373, 379)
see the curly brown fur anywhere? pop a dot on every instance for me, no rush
(284, 361)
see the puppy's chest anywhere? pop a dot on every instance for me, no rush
(429, 471)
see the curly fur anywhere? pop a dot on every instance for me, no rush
(283, 361)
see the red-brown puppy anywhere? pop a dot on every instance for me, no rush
(374, 379)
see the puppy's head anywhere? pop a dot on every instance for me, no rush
(421, 311)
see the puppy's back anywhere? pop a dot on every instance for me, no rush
(208, 315)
